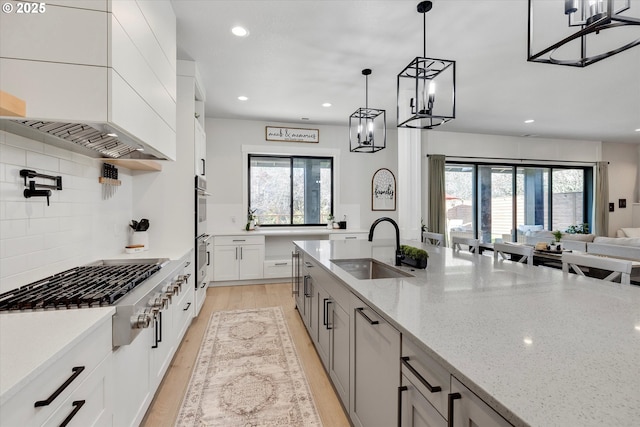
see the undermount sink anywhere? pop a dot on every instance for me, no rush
(368, 268)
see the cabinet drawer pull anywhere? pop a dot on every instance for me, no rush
(324, 311)
(208, 258)
(77, 370)
(295, 268)
(77, 405)
(307, 293)
(239, 240)
(281, 263)
(329, 327)
(204, 167)
(400, 390)
(371, 322)
(452, 398)
(350, 237)
(432, 389)
(203, 285)
(187, 307)
(308, 264)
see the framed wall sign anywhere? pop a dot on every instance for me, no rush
(383, 191)
(292, 134)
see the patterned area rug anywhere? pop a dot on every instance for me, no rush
(248, 374)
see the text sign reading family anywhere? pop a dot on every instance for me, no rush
(292, 134)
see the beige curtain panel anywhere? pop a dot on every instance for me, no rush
(602, 199)
(437, 212)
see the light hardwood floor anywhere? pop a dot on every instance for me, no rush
(165, 406)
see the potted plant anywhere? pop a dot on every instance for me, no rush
(251, 219)
(557, 235)
(414, 257)
(423, 228)
(330, 222)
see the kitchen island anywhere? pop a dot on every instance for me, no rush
(540, 347)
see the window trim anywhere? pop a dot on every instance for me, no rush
(287, 151)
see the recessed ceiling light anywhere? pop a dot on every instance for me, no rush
(240, 31)
(326, 104)
(528, 341)
(112, 134)
(529, 121)
(243, 98)
(638, 130)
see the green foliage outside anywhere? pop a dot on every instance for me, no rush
(578, 229)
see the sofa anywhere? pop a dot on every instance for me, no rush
(628, 232)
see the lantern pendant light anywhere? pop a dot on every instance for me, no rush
(601, 28)
(367, 126)
(426, 87)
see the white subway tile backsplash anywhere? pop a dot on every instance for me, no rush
(53, 151)
(71, 168)
(42, 163)
(12, 155)
(25, 208)
(13, 228)
(24, 143)
(78, 227)
(35, 226)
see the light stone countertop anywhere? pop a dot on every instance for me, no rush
(30, 342)
(542, 347)
(293, 231)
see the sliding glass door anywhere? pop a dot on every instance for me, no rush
(509, 202)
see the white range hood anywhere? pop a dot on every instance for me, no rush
(96, 76)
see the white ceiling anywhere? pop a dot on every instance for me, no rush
(302, 53)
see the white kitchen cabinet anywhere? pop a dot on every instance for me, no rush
(467, 409)
(348, 236)
(133, 393)
(82, 373)
(375, 368)
(238, 257)
(121, 52)
(91, 403)
(200, 149)
(277, 268)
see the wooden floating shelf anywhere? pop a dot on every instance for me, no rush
(110, 181)
(11, 105)
(136, 164)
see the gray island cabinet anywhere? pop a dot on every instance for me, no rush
(470, 340)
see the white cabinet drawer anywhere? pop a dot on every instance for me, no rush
(238, 240)
(90, 404)
(277, 268)
(428, 376)
(63, 375)
(348, 236)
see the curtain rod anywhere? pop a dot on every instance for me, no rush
(510, 158)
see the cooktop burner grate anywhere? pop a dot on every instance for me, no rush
(86, 286)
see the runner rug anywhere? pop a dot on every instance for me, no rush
(248, 374)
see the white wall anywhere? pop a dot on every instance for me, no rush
(623, 166)
(225, 139)
(78, 227)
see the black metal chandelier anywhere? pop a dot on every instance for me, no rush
(367, 126)
(595, 30)
(426, 87)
